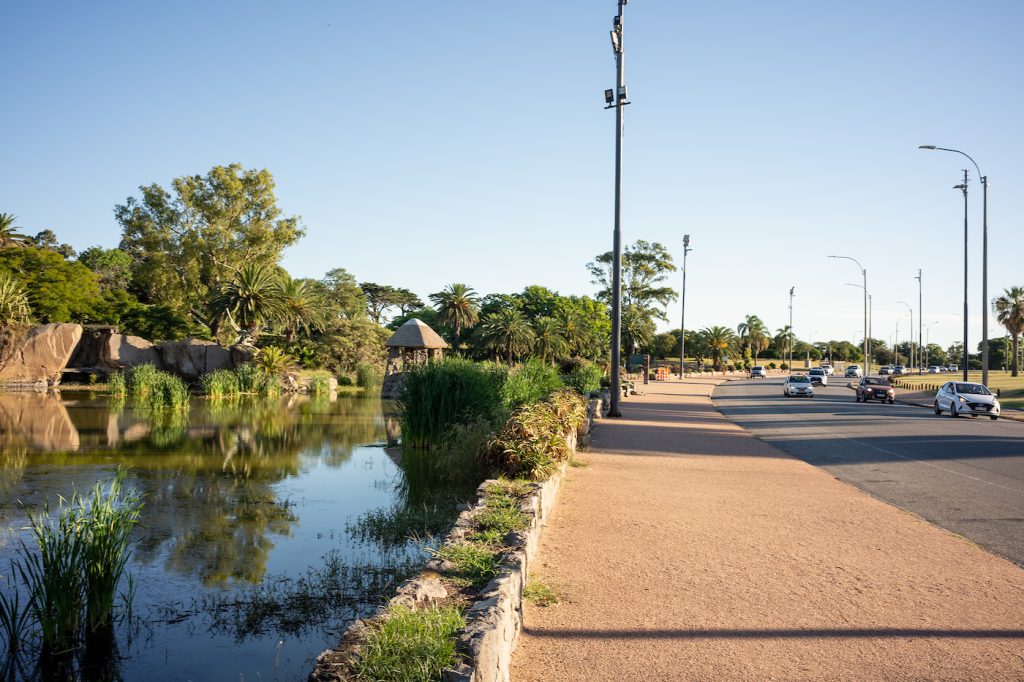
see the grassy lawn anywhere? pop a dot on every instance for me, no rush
(1011, 389)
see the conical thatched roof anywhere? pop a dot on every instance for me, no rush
(416, 334)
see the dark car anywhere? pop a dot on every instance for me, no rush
(875, 388)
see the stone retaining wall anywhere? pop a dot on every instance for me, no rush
(495, 619)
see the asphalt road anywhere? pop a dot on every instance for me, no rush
(965, 474)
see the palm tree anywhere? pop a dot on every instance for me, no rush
(458, 307)
(251, 299)
(718, 340)
(637, 329)
(507, 331)
(781, 341)
(14, 308)
(577, 336)
(304, 309)
(548, 339)
(753, 334)
(1009, 310)
(9, 236)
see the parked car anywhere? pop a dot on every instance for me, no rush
(797, 385)
(899, 370)
(962, 397)
(935, 369)
(829, 369)
(758, 372)
(852, 372)
(875, 388)
(952, 368)
(818, 376)
(886, 370)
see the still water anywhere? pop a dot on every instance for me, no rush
(247, 558)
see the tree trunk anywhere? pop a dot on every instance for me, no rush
(1016, 353)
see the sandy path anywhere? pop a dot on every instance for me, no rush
(688, 549)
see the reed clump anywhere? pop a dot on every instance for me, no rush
(529, 383)
(410, 645)
(246, 380)
(151, 387)
(72, 575)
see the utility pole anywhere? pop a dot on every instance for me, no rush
(617, 100)
(791, 289)
(682, 330)
(963, 187)
(920, 324)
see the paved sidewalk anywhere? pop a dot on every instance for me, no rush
(688, 549)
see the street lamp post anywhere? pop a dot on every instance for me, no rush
(984, 261)
(864, 273)
(928, 342)
(617, 100)
(911, 333)
(920, 321)
(682, 330)
(791, 290)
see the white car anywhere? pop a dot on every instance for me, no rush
(962, 397)
(829, 369)
(817, 375)
(758, 372)
(797, 385)
(952, 368)
(852, 372)
(935, 369)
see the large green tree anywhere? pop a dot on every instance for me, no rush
(343, 294)
(9, 234)
(187, 243)
(507, 332)
(112, 266)
(1009, 308)
(645, 267)
(754, 335)
(718, 341)
(58, 290)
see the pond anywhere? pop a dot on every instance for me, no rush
(256, 545)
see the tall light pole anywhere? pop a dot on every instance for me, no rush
(682, 330)
(984, 262)
(867, 336)
(963, 187)
(864, 272)
(617, 100)
(920, 322)
(791, 290)
(911, 333)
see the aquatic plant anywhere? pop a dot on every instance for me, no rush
(273, 361)
(320, 383)
(410, 645)
(368, 375)
(220, 384)
(151, 387)
(440, 394)
(116, 385)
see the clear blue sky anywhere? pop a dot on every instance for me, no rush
(426, 143)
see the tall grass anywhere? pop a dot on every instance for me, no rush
(441, 394)
(368, 375)
(150, 386)
(73, 573)
(410, 645)
(530, 382)
(247, 379)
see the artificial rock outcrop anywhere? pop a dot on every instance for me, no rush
(41, 355)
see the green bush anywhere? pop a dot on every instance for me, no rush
(152, 387)
(368, 376)
(784, 366)
(584, 377)
(772, 365)
(530, 382)
(439, 395)
(344, 380)
(410, 645)
(533, 441)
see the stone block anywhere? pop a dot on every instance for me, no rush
(42, 355)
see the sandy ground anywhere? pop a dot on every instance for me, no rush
(689, 550)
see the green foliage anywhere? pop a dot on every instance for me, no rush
(458, 307)
(117, 386)
(583, 377)
(113, 267)
(343, 295)
(320, 383)
(252, 299)
(530, 382)
(500, 515)
(440, 394)
(348, 342)
(186, 243)
(272, 361)
(410, 645)
(368, 375)
(645, 267)
(533, 441)
(303, 307)
(9, 235)
(58, 290)
(540, 593)
(154, 388)
(14, 306)
(249, 379)
(474, 565)
(507, 333)
(74, 571)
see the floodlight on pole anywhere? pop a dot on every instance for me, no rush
(984, 258)
(682, 323)
(619, 100)
(864, 273)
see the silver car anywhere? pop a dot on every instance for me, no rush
(818, 375)
(962, 397)
(758, 372)
(798, 385)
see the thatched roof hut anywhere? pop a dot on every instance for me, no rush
(416, 335)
